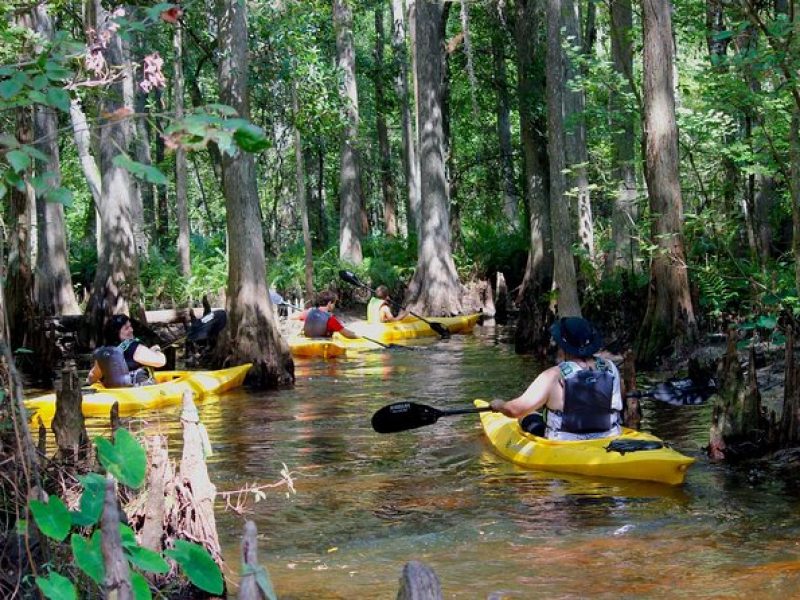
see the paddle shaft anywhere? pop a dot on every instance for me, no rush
(439, 328)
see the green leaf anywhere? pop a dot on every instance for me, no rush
(18, 160)
(140, 171)
(39, 82)
(91, 504)
(37, 97)
(198, 565)
(57, 587)
(59, 98)
(52, 518)
(140, 587)
(125, 458)
(11, 87)
(251, 138)
(59, 195)
(767, 322)
(56, 71)
(88, 555)
(22, 526)
(147, 560)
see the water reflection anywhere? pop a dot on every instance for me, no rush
(367, 503)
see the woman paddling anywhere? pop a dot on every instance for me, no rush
(124, 360)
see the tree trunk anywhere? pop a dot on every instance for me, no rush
(53, 282)
(301, 195)
(116, 284)
(181, 200)
(252, 334)
(91, 172)
(508, 185)
(387, 181)
(575, 133)
(350, 227)
(532, 324)
(564, 267)
(670, 316)
(794, 189)
(624, 252)
(410, 163)
(148, 192)
(140, 233)
(434, 289)
(19, 273)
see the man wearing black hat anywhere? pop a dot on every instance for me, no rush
(582, 393)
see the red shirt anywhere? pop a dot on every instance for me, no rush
(334, 325)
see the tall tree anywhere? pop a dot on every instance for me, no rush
(300, 179)
(563, 265)
(116, 284)
(252, 333)
(530, 50)
(181, 169)
(503, 108)
(350, 226)
(387, 181)
(624, 214)
(409, 152)
(577, 157)
(670, 316)
(434, 289)
(53, 281)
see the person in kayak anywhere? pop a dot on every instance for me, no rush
(124, 360)
(582, 394)
(319, 321)
(379, 309)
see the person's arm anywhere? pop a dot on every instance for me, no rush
(349, 334)
(94, 374)
(532, 399)
(149, 357)
(385, 314)
(335, 326)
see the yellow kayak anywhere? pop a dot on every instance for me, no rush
(168, 390)
(586, 457)
(412, 327)
(305, 347)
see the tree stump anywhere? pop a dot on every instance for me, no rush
(249, 588)
(118, 576)
(68, 423)
(632, 413)
(159, 475)
(419, 582)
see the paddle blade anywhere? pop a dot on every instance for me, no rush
(442, 330)
(402, 416)
(349, 277)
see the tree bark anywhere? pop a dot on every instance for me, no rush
(181, 170)
(669, 319)
(508, 181)
(410, 163)
(434, 289)
(252, 333)
(531, 329)
(624, 253)
(116, 285)
(575, 131)
(564, 267)
(68, 422)
(53, 282)
(118, 576)
(350, 226)
(387, 181)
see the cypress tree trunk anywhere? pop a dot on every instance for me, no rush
(434, 289)
(350, 218)
(670, 316)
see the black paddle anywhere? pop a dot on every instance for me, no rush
(352, 279)
(387, 346)
(402, 416)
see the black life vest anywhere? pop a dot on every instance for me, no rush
(316, 323)
(588, 398)
(113, 367)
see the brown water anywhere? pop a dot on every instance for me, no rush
(367, 503)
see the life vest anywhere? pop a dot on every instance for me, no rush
(316, 323)
(113, 367)
(592, 402)
(374, 309)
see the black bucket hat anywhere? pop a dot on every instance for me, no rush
(577, 336)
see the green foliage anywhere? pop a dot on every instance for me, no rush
(489, 247)
(125, 458)
(199, 567)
